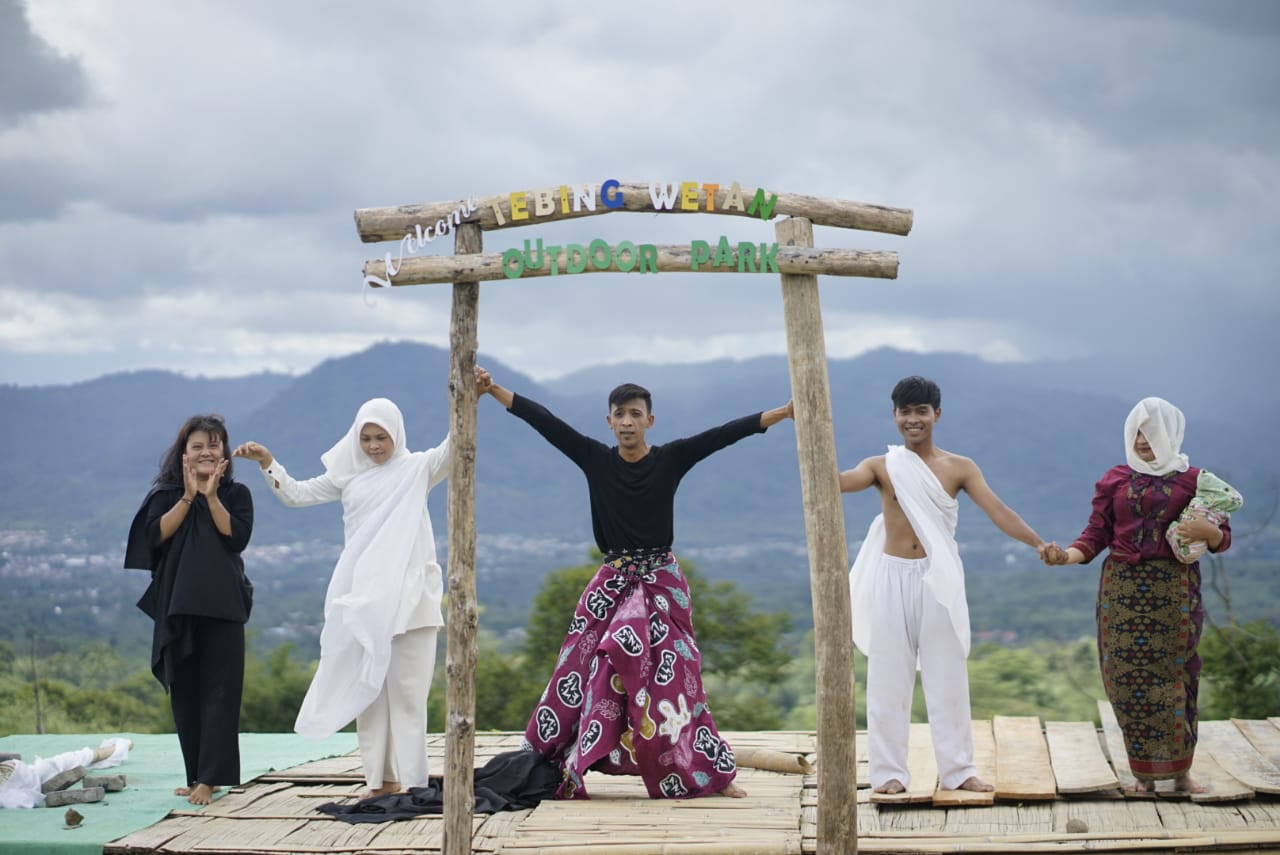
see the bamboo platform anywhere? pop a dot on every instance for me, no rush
(1049, 777)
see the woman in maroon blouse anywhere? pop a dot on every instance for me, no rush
(1149, 610)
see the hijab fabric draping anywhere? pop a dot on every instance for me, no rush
(1162, 424)
(346, 459)
(384, 516)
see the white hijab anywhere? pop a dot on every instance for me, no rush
(1162, 424)
(346, 459)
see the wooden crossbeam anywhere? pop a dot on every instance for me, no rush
(375, 225)
(800, 261)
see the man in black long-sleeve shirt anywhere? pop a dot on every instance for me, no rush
(626, 696)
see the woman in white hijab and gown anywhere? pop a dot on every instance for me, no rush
(1149, 610)
(382, 609)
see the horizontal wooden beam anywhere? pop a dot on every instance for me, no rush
(427, 269)
(494, 212)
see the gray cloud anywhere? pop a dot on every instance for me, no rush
(1087, 178)
(33, 78)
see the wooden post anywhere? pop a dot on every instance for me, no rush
(460, 658)
(828, 552)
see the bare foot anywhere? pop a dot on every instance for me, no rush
(1139, 787)
(1186, 784)
(201, 794)
(975, 784)
(387, 788)
(733, 791)
(890, 787)
(182, 791)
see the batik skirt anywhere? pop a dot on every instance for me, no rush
(1149, 621)
(626, 697)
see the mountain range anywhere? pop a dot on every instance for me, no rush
(81, 456)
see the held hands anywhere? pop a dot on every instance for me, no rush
(1052, 554)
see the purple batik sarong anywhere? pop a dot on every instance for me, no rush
(626, 697)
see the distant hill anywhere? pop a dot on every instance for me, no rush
(81, 456)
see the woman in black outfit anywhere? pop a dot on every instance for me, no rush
(190, 532)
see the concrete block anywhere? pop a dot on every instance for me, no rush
(110, 783)
(62, 780)
(74, 797)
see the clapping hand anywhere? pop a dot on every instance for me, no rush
(210, 489)
(190, 480)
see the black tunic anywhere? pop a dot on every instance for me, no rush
(632, 504)
(196, 573)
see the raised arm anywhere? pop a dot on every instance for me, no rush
(554, 430)
(291, 492)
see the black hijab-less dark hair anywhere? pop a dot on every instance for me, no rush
(629, 392)
(916, 390)
(171, 464)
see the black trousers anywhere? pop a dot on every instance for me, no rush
(205, 697)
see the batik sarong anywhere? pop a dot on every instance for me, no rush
(1149, 622)
(626, 697)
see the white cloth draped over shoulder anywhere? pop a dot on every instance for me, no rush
(932, 513)
(386, 581)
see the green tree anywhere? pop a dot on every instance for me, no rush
(506, 691)
(1241, 668)
(273, 690)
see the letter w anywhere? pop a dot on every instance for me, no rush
(663, 197)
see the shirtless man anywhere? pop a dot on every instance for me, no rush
(907, 585)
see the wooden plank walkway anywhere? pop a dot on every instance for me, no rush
(1082, 811)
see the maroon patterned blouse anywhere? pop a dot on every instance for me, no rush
(1132, 511)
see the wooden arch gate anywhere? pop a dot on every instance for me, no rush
(798, 263)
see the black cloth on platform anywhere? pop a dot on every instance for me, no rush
(514, 780)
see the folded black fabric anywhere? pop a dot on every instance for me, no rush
(514, 780)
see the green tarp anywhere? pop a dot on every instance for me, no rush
(152, 771)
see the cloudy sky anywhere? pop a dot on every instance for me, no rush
(177, 180)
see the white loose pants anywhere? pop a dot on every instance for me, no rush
(392, 731)
(911, 626)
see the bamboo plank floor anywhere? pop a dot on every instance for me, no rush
(1060, 773)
